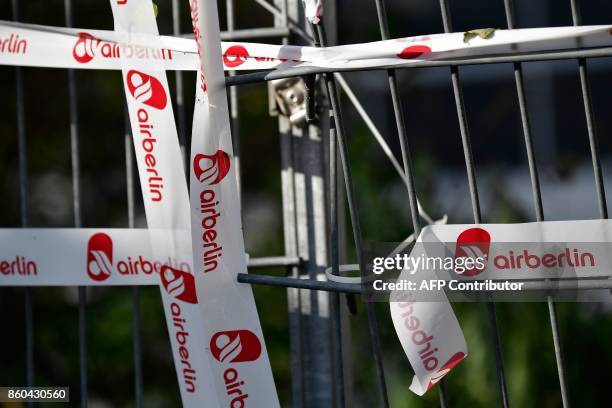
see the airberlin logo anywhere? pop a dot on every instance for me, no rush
(83, 50)
(99, 257)
(210, 170)
(100, 264)
(87, 47)
(230, 347)
(473, 243)
(237, 55)
(235, 346)
(414, 51)
(179, 284)
(146, 89)
(149, 91)
(446, 368)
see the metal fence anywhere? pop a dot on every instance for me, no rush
(314, 163)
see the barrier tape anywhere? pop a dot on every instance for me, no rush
(58, 47)
(90, 257)
(429, 332)
(430, 336)
(540, 250)
(166, 203)
(240, 367)
(118, 256)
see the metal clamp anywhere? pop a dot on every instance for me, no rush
(294, 98)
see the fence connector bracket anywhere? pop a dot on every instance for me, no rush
(290, 96)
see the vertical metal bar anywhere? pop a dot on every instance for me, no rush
(559, 356)
(398, 111)
(312, 226)
(29, 339)
(295, 299)
(588, 110)
(136, 344)
(24, 210)
(471, 173)
(136, 320)
(537, 202)
(338, 314)
(74, 136)
(129, 166)
(23, 158)
(234, 109)
(285, 16)
(520, 90)
(291, 249)
(354, 216)
(306, 233)
(442, 394)
(400, 122)
(180, 95)
(335, 264)
(76, 202)
(83, 345)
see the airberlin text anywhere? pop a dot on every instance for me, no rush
(18, 266)
(211, 250)
(233, 386)
(421, 340)
(195, 17)
(154, 180)
(181, 335)
(13, 45)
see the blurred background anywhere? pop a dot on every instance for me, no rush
(561, 146)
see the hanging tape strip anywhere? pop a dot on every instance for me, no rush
(166, 203)
(234, 333)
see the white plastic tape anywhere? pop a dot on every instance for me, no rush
(166, 201)
(44, 46)
(537, 250)
(429, 332)
(430, 336)
(240, 363)
(59, 47)
(89, 257)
